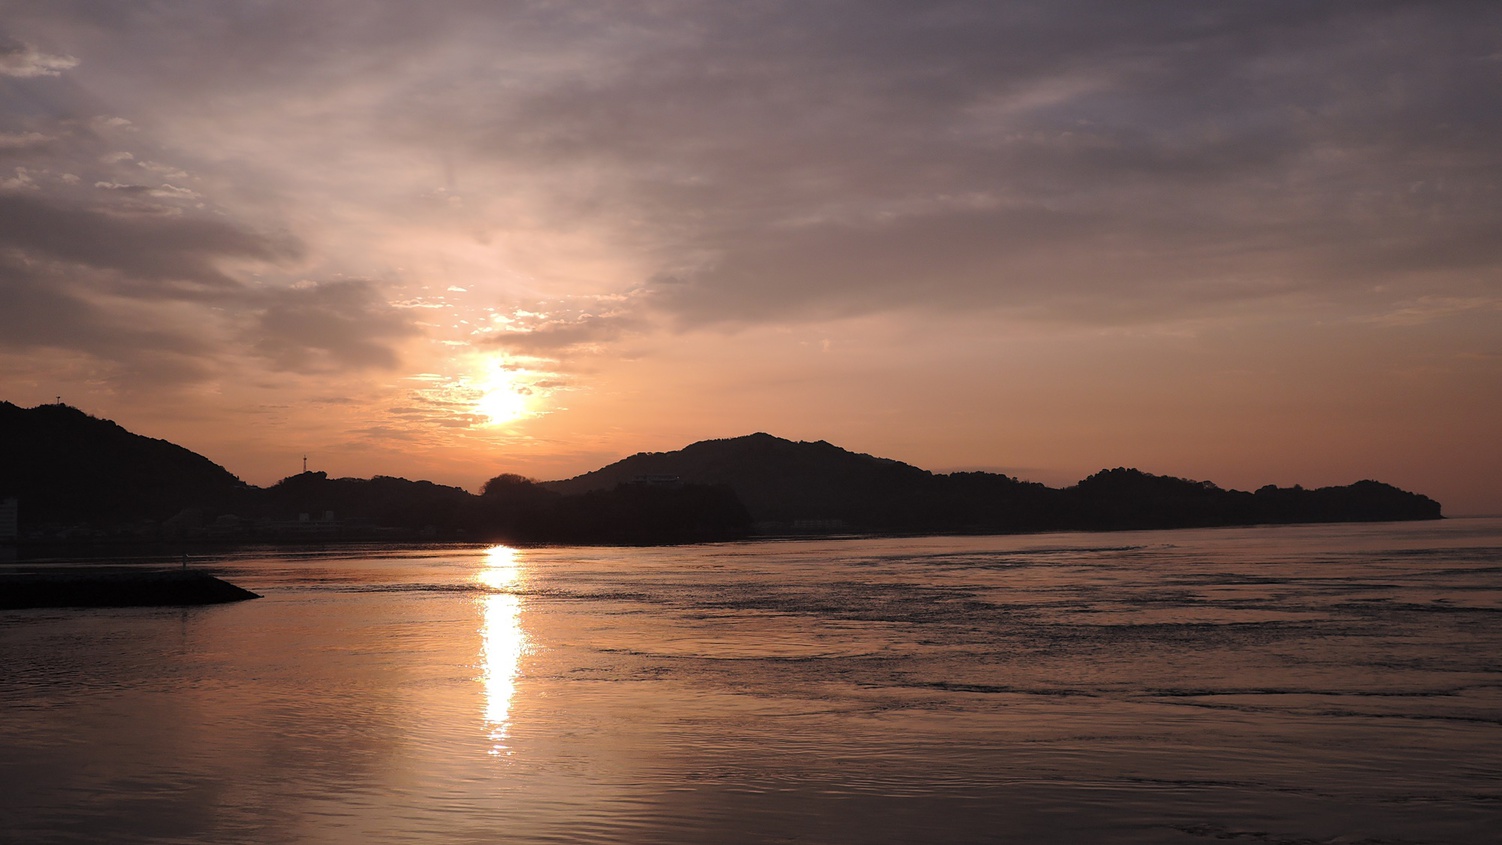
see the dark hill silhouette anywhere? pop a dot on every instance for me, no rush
(777, 479)
(68, 466)
(789, 485)
(80, 477)
(382, 500)
(83, 479)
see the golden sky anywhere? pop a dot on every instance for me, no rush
(1252, 243)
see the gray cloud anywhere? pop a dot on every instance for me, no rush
(109, 248)
(825, 159)
(24, 61)
(23, 140)
(767, 161)
(143, 292)
(560, 335)
(157, 255)
(328, 327)
(125, 289)
(47, 308)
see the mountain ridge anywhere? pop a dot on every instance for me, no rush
(784, 482)
(68, 466)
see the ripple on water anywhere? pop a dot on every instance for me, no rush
(1305, 684)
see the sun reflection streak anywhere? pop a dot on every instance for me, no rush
(502, 641)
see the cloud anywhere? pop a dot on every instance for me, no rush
(173, 192)
(143, 295)
(553, 335)
(21, 181)
(23, 140)
(765, 162)
(1087, 158)
(24, 61)
(49, 307)
(154, 256)
(159, 284)
(728, 164)
(122, 187)
(338, 325)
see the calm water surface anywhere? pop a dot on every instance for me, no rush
(1267, 685)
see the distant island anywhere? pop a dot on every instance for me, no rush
(69, 478)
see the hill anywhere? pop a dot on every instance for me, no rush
(70, 467)
(80, 477)
(776, 479)
(792, 486)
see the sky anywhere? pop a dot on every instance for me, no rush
(1249, 242)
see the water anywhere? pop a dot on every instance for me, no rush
(1260, 685)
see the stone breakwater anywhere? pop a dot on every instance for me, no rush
(115, 588)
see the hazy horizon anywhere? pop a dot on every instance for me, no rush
(1252, 244)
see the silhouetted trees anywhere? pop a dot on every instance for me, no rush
(518, 509)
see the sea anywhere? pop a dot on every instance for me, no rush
(1286, 684)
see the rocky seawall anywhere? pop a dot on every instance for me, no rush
(115, 588)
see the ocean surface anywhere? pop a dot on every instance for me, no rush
(1312, 684)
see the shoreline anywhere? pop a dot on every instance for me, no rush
(102, 553)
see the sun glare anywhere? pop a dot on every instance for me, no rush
(502, 400)
(502, 405)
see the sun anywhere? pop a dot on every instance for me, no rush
(502, 404)
(503, 399)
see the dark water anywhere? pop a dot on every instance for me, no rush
(1334, 684)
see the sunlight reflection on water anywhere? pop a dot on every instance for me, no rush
(502, 641)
